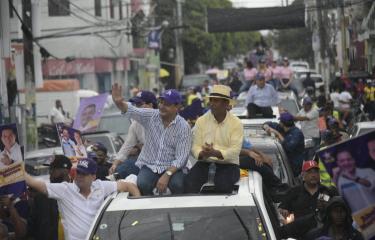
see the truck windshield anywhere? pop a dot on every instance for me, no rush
(182, 223)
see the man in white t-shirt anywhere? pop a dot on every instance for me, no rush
(345, 99)
(335, 98)
(309, 118)
(57, 113)
(79, 202)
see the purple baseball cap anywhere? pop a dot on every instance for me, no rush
(286, 117)
(307, 100)
(171, 96)
(260, 76)
(87, 166)
(144, 97)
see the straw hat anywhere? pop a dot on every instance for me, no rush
(221, 91)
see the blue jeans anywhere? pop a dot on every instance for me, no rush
(127, 167)
(147, 180)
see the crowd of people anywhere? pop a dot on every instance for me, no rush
(154, 157)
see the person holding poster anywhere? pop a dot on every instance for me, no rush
(357, 185)
(89, 113)
(87, 122)
(12, 151)
(79, 148)
(67, 144)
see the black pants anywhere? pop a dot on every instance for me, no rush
(225, 177)
(270, 180)
(255, 111)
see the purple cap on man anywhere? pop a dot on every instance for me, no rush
(171, 96)
(307, 101)
(286, 117)
(144, 97)
(87, 166)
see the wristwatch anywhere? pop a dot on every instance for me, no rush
(169, 173)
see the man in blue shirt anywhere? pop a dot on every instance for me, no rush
(291, 138)
(260, 98)
(167, 144)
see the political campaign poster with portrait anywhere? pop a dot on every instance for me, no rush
(89, 113)
(12, 173)
(71, 142)
(351, 165)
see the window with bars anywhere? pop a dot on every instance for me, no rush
(58, 8)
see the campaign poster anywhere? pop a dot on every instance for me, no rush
(12, 179)
(71, 142)
(351, 165)
(89, 113)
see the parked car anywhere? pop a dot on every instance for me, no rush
(361, 128)
(37, 161)
(192, 80)
(240, 215)
(299, 65)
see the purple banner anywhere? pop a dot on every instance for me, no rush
(351, 165)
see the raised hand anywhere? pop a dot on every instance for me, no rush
(117, 97)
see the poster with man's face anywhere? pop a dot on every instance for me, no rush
(71, 142)
(351, 164)
(11, 162)
(89, 112)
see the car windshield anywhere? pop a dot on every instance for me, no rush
(290, 105)
(241, 222)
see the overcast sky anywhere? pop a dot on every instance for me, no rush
(259, 3)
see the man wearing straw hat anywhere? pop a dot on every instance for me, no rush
(217, 138)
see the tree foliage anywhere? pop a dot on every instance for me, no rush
(199, 45)
(295, 43)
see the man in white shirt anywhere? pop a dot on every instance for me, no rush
(57, 113)
(124, 164)
(335, 98)
(79, 202)
(309, 118)
(12, 151)
(345, 99)
(260, 98)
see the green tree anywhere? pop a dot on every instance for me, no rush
(295, 43)
(199, 45)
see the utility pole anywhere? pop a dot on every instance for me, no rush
(180, 68)
(341, 20)
(4, 54)
(323, 46)
(29, 119)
